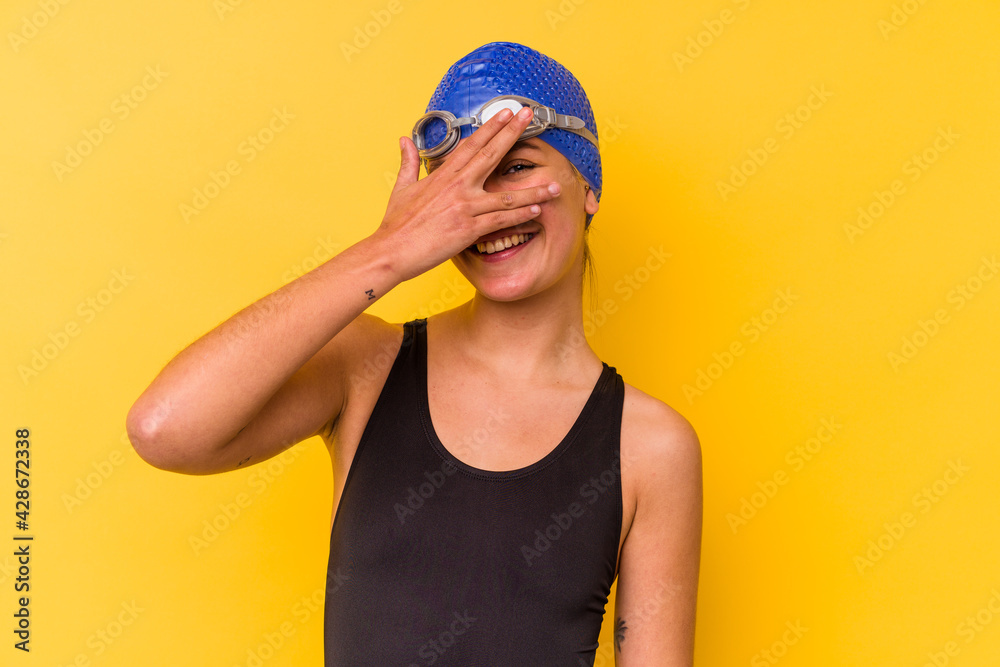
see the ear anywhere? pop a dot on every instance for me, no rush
(590, 203)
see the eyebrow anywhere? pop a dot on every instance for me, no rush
(524, 145)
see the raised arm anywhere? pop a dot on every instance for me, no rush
(275, 373)
(279, 356)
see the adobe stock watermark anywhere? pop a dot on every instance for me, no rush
(32, 24)
(926, 329)
(969, 628)
(8, 569)
(779, 648)
(450, 294)
(606, 484)
(923, 501)
(87, 310)
(259, 481)
(94, 477)
(108, 635)
(562, 12)
(248, 149)
(797, 458)
(122, 107)
(432, 650)
(224, 8)
(432, 480)
(704, 39)
(562, 522)
(900, 15)
(324, 250)
(424, 491)
(752, 331)
(364, 34)
(786, 126)
(609, 131)
(627, 286)
(246, 322)
(302, 611)
(915, 166)
(638, 616)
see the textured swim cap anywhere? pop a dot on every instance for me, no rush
(507, 68)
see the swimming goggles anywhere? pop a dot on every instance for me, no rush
(543, 118)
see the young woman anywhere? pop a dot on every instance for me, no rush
(492, 476)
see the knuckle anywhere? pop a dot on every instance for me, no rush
(471, 145)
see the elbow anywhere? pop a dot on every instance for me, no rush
(159, 445)
(143, 433)
(150, 439)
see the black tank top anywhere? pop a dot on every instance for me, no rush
(435, 562)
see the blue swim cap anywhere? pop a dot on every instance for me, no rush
(507, 68)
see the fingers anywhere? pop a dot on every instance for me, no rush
(409, 164)
(491, 222)
(485, 160)
(480, 153)
(507, 200)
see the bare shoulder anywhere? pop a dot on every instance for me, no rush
(657, 437)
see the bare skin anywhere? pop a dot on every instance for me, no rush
(298, 364)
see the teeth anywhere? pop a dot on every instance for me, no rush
(490, 247)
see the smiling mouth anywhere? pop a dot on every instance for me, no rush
(496, 245)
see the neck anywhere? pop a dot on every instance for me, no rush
(543, 333)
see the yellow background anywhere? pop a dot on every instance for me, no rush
(113, 535)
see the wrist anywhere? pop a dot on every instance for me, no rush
(375, 266)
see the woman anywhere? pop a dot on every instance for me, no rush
(492, 475)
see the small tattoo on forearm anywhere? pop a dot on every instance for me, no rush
(370, 293)
(620, 629)
(242, 462)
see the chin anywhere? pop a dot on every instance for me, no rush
(506, 288)
(510, 287)
(506, 293)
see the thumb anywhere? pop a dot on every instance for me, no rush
(409, 164)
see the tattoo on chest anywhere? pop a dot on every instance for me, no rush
(620, 629)
(242, 462)
(370, 293)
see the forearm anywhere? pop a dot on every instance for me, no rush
(213, 388)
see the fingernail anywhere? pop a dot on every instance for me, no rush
(505, 114)
(525, 112)
(554, 188)
(535, 209)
